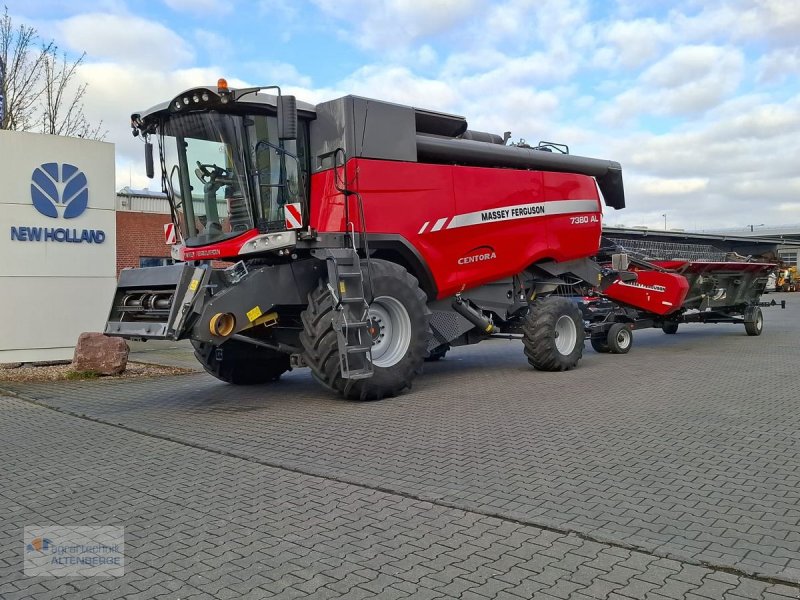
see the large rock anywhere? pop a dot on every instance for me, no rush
(101, 354)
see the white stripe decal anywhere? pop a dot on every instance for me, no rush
(439, 224)
(423, 228)
(523, 211)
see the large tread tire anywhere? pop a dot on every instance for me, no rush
(242, 363)
(541, 338)
(320, 345)
(753, 321)
(620, 338)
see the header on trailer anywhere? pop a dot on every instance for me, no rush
(724, 243)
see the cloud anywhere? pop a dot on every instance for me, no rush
(632, 44)
(779, 65)
(774, 22)
(673, 187)
(201, 7)
(723, 171)
(687, 82)
(125, 38)
(213, 44)
(276, 73)
(396, 23)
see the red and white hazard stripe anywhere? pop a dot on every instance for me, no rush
(293, 213)
(170, 237)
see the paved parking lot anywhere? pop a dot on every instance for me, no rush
(671, 472)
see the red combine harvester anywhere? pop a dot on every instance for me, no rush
(366, 237)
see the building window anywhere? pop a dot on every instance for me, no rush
(155, 261)
(789, 258)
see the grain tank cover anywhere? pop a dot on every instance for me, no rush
(481, 154)
(368, 128)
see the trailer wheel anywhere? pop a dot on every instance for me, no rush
(241, 363)
(400, 307)
(620, 338)
(753, 321)
(437, 353)
(553, 335)
(670, 327)
(599, 344)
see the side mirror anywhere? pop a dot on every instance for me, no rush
(287, 118)
(148, 160)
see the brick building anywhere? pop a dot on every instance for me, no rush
(141, 216)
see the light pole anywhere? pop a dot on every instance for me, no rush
(753, 226)
(2, 96)
(665, 221)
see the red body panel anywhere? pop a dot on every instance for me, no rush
(653, 291)
(471, 225)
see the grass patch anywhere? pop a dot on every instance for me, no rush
(79, 375)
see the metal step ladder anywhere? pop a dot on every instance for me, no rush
(351, 312)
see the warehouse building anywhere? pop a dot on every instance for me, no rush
(141, 216)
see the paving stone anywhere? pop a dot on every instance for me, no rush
(203, 511)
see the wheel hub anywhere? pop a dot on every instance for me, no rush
(390, 330)
(374, 328)
(566, 334)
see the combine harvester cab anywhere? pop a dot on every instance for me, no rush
(360, 238)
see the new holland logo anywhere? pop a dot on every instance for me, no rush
(59, 191)
(55, 186)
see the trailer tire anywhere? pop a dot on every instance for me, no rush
(599, 344)
(753, 321)
(670, 327)
(553, 334)
(242, 363)
(397, 295)
(620, 338)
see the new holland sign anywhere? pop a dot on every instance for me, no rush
(58, 191)
(58, 239)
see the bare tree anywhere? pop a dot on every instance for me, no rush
(62, 109)
(40, 90)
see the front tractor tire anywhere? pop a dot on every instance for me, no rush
(241, 363)
(400, 318)
(553, 334)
